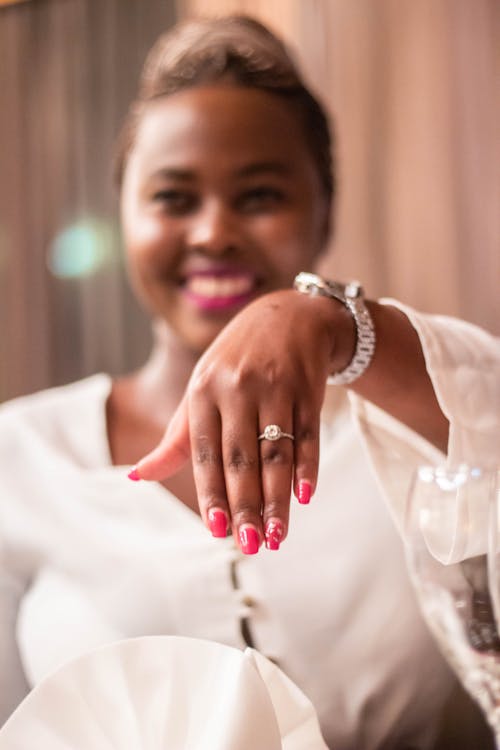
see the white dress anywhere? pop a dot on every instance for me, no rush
(87, 557)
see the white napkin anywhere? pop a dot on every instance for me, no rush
(165, 693)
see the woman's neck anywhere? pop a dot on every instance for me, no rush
(155, 390)
(162, 381)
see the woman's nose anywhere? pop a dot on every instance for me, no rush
(212, 229)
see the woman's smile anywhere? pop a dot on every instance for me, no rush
(220, 290)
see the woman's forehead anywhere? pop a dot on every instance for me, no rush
(223, 122)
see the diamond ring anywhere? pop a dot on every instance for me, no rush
(274, 432)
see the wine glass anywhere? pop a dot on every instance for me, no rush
(448, 533)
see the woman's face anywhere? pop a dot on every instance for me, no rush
(221, 202)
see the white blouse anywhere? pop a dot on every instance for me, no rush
(87, 557)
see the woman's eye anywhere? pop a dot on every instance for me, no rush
(261, 199)
(175, 201)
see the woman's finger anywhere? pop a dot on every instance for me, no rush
(242, 474)
(276, 444)
(208, 468)
(171, 453)
(307, 424)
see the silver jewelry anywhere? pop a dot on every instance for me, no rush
(273, 432)
(352, 296)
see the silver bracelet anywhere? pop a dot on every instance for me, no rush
(351, 295)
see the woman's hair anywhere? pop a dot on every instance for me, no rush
(236, 49)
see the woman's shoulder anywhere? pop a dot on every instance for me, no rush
(60, 396)
(65, 415)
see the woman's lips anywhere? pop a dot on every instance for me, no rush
(219, 291)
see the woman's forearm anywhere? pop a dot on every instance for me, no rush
(397, 380)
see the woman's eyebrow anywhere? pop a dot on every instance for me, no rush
(269, 167)
(173, 173)
(249, 170)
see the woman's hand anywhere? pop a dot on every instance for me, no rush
(267, 367)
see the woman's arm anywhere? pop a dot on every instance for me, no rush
(397, 380)
(269, 366)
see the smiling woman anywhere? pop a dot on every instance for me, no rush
(263, 386)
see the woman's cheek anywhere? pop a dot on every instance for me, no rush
(294, 247)
(146, 228)
(151, 241)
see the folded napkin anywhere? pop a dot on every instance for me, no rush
(165, 693)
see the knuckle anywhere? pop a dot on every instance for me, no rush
(272, 373)
(275, 508)
(306, 433)
(279, 374)
(205, 379)
(205, 457)
(274, 456)
(242, 378)
(239, 461)
(210, 498)
(268, 374)
(244, 512)
(200, 381)
(205, 454)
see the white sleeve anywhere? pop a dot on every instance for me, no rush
(463, 362)
(13, 685)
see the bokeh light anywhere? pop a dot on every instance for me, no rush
(82, 248)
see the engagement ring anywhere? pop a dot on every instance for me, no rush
(274, 432)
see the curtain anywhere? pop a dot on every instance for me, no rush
(411, 86)
(411, 89)
(69, 70)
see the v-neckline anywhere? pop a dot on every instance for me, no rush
(122, 469)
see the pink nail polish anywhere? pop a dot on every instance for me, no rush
(134, 475)
(217, 522)
(274, 534)
(249, 540)
(304, 492)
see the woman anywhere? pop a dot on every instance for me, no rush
(226, 183)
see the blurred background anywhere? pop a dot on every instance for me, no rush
(411, 88)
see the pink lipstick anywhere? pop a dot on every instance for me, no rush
(219, 289)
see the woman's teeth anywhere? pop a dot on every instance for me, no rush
(219, 286)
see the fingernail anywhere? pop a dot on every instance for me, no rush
(249, 540)
(274, 534)
(304, 492)
(217, 522)
(134, 475)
